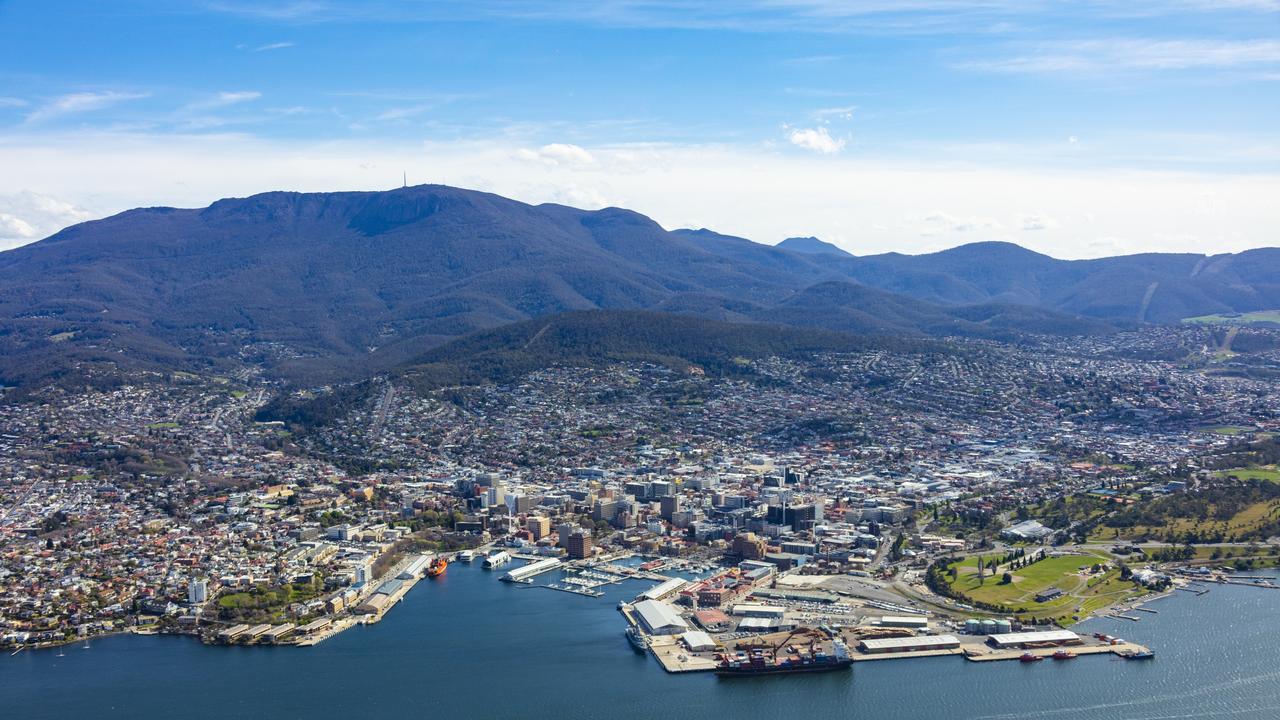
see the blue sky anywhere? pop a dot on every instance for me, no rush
(1078, 129)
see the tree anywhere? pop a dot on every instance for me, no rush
(1006, 578)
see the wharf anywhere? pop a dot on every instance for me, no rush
(395, 598)
(991, 655)
(338, 625)
(674, 658)
(867, 657)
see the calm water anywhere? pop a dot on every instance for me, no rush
(468, 646)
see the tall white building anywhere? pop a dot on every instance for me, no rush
(197, 591)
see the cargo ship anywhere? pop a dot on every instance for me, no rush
(437, 567)
(759, 662)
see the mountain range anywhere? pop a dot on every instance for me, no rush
(315, 285)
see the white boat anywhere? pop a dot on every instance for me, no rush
(467, 556)
(496, 559)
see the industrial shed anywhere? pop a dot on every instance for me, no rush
(1046, 638)
(909, 644)
(659, 618)
(698, 641)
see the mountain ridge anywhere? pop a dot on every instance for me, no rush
(317, 285)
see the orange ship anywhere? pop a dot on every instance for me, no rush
(437, 567)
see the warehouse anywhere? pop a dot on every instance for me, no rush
(698, 641)
(232, 633)
(657, 592)
(764, 625)
(374, 605)
(277, 632)
(415, 568)
(315, 626)
(757, 610)
(713, 620)
(909, 644)
(390, 587)
(659, 618)
(1047, 638)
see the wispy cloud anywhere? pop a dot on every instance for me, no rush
(274, 46)
(80, 103)
(817, 16)
(1132, 54)
(221, 100)
(12, 102)
(838, 113)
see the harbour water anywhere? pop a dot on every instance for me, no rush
(468, 646)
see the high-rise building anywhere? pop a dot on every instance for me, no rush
(579, 545)
(197, 591)
(564, 530)
(748, 546)
(670, 506)
(604, 510)
(803, 517)
(538, 526)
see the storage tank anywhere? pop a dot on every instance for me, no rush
(972, 627)
(1003, 627)
(988, 627)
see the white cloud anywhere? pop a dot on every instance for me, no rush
(13, 227)
(80, 103)
(12, 102)
(562, 154)
(27, 216)
(816, 139)
(870, 205)
(273, 46)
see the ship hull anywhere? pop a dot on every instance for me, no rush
(753, 671)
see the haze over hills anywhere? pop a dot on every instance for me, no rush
(326, 283)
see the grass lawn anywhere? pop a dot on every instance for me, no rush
(163, 426)
(1229, 430)
(1082, 591)
(1261, 316)
(1268, 472)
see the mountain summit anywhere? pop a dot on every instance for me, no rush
(321, 283)
(810, 246)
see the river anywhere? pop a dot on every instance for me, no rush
(468, 646)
